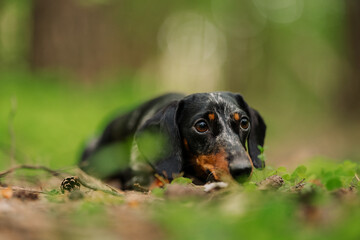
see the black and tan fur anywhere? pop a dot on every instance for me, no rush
(205, 136)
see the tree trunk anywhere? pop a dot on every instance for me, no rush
(83, 39)
(350, 92)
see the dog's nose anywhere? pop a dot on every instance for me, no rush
(240, 170)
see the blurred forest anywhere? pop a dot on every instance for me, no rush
(66, 66)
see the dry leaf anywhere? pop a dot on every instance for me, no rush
(7, 193)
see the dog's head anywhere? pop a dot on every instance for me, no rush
(210, 134)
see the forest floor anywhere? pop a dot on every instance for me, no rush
(311, 203)
(44, 121)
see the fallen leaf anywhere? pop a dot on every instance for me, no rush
(7, 193)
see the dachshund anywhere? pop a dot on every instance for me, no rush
(203, 136)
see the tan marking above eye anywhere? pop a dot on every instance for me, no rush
(236, 116)
(211, 116)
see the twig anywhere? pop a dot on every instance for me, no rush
(299, 186)
(357, 177)
(22, 189)
(24, 166)
(113, 191)
(86, 181)
(299, 183)
(11, 130)
(140, 188)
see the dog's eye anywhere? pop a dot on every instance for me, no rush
(201, 126)
(244, 123)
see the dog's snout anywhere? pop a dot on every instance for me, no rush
(240, 170)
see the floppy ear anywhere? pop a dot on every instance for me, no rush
(158, 141)
(256, 137)
(257, 133)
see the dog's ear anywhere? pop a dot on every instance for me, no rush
(257, 132)
(256, 137)
(158, 141)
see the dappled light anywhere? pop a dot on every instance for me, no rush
(193, 50)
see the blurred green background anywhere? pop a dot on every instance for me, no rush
(67, 67)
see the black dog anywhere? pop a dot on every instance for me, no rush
(203, 136)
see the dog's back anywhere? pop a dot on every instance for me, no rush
(119, 132)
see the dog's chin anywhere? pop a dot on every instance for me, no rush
(220, 175)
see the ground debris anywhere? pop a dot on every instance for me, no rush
(20, 193)
(209, 187)
(24, 220)
(26, 195)
(6, 192)
(136, 199)
(299, 186)
(176, 191)
(129, 223)
(76, 195)
(271, 183)
(346, 194)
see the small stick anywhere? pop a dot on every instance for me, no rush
(299, 183)
(12, 115)
(22, 189)
(25, 166)
(113, 191)
(357, 177)
(140, 188)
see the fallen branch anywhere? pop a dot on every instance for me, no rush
(357, 177)
(83, 182)
(25, 166)
(271, 183)
(96, 184)
(300, 185)
(112, 190)
(15, 189)
(12, 115)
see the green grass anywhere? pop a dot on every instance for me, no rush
(54, 117)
